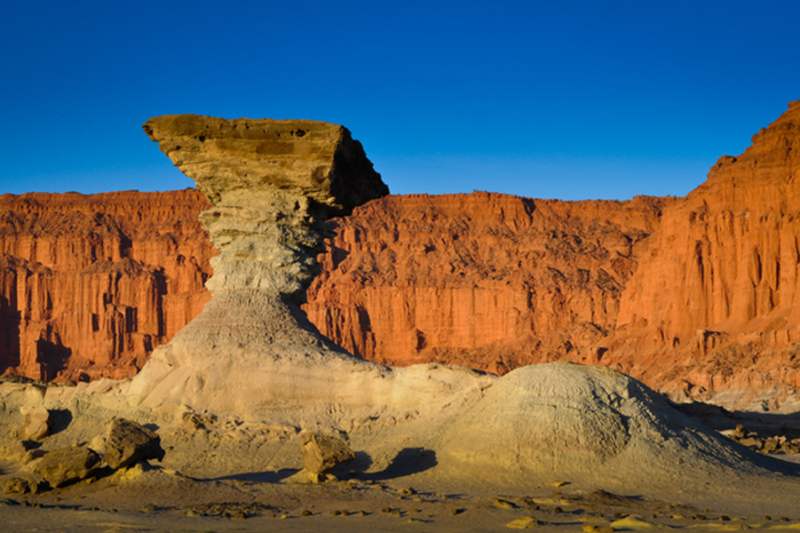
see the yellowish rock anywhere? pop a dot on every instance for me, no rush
(526, 522)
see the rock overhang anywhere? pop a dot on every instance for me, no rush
(313, 159)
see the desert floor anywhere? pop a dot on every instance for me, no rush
(159, 499)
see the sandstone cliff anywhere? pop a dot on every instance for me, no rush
(715, 302)
(485, 280)
(89, 285)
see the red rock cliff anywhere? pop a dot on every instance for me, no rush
(487, 280)
(715, 302)
(89, 285)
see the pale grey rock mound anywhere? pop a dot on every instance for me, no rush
(569, 421)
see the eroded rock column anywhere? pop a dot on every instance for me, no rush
(271, 185)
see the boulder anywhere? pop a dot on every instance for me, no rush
(321, 453)
(36, 424)
(66, 465)
(20, 485)
(128, 443)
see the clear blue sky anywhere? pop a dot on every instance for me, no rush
(567, 99)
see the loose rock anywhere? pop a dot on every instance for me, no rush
(66, 465)
(321, 453)
(129, 442)
(36, 424)
(20, 485)
(526, 522)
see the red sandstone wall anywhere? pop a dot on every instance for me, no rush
(717, 291)
(89, 285)
(488, 280)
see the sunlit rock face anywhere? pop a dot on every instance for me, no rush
(90, 284)
(714, 302)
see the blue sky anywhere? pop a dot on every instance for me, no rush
(569, 99)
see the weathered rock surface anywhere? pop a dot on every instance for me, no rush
(321, 453)
(89, 285)
(36, 422)
(129, 442)
(67, 465)
(485, 280)
(695, 296)
(715, 302)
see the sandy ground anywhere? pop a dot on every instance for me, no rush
(231, 478)
(155, 498)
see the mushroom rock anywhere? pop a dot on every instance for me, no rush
(271, 185)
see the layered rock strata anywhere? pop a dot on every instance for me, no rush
(89, 285)
(715, 302)
(485, 280)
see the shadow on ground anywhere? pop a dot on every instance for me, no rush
(407, 462)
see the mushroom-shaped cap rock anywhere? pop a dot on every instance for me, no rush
(308, 158)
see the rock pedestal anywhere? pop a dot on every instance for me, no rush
(271, 185)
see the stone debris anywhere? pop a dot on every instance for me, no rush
(66, 465)
(762, 444)
(231, 509)
(129, 442)
(321, 453)
(504, 504)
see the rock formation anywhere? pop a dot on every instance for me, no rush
(575, 416)
(272, 184)
(695, 296)
(485, 280)
(89, 285)
(715, 302)
(251, 362)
